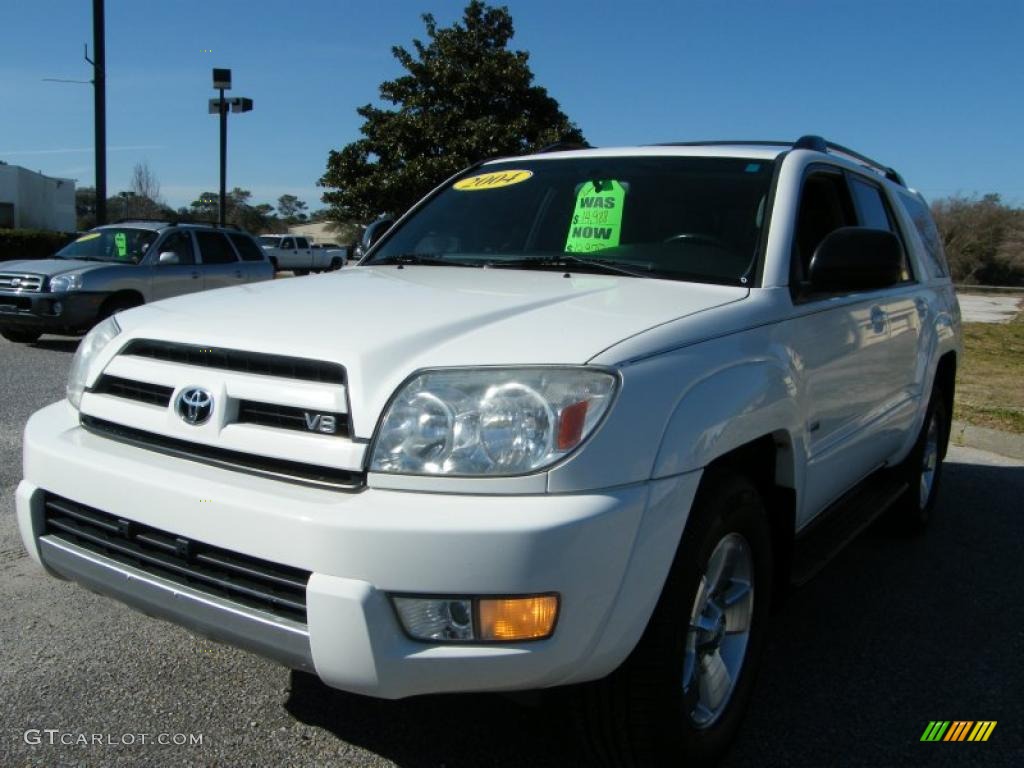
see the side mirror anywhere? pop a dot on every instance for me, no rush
(856, 259)
(379, 228)
(168, 257)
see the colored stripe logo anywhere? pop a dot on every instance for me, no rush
(958, 730)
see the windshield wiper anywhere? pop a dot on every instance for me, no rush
(568, 260)
(420, 259)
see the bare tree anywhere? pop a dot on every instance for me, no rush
(143, 200)
(144, 182)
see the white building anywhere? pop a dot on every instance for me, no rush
(30, 200)
(325, 232)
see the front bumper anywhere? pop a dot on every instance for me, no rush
(605, 553)
(49, 312)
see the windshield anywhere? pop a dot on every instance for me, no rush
(118, 244)
(683, 218)
(268, 240)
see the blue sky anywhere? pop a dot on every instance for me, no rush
(934, 88)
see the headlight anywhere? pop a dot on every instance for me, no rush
(88, 349)
(65, 283)
(490, 421)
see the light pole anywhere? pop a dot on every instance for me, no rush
(219, 106)
(127, 197)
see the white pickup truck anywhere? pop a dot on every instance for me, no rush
(297, 253)
(609, 402)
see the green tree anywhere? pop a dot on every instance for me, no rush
(239, 212)
(291, 209)
(465, 97)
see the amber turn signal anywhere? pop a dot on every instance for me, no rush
(517, 618)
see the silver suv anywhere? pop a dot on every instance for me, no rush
(122, 265)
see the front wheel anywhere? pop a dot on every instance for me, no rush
(20, 337)
(680, 696)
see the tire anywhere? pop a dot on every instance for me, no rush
(273, 263)
(115, 305)
(335, 264)
(21, 337)
(922, 469)
(659, 707)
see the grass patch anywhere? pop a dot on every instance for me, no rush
(990, 381)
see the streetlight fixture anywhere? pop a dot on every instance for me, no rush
(220, 106)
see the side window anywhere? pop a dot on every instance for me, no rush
(181, 244)
(300, 242)
(925, 225)
(825, 206)
(215, 248)
(874, 212)
(246, 248)
(870, 205)
(288, 244)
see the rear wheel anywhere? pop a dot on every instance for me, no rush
(335, 264)
(19, 336)
(681, 694)
(922, 469)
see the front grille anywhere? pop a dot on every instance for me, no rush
(278, 469)
(154, 394)
(278, 589)
(258, 363)
(15, 303)
(287, 417)
(17, 282)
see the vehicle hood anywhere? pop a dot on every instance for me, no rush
(50, 267)
(383, 323)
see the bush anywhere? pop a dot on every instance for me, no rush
(983, 239)
(31, 243)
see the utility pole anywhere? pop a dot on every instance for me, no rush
(99, 64)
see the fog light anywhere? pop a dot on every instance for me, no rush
(489, 619)
(436, 619)
(518, 618)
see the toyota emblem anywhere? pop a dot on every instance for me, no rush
(194, 405)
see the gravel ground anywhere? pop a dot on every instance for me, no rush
(892, 634)
(979, 308)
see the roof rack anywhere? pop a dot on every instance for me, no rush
(819, 144)
(145, 218)
(810, 141)
(176, 222)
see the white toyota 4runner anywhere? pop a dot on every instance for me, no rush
(605, 403)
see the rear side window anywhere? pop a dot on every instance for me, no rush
(215, 248)
(300, 242)
(922, 219)
(247, 249)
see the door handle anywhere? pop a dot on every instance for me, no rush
(238, 273)
(922, 308)
(878, 319)
(195, 275)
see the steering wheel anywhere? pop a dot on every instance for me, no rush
(696, 237)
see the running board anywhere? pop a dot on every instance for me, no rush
(835, 527)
